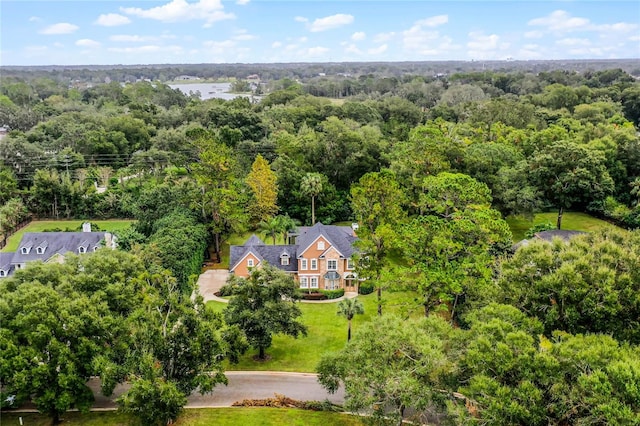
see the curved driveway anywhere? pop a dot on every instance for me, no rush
(244, 385)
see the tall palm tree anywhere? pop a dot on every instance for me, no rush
(286, 224)
(270, 228)
(312, 185)
(349, 308)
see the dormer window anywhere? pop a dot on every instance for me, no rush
(82, 249)
(250, 263)
(40, 250)
(320, 245)
(2, 273)
(26, 250)
(284, 259)
(95, 248)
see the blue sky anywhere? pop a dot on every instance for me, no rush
(253, 31)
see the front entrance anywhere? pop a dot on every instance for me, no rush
(351, 283)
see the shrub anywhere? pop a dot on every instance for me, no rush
(225, 291)
(539, 228)
(366, 287)
(313, 296)
(333, 294)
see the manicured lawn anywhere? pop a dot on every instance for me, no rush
(63, 225)
(199, 417)
(571, 221)
(326, 332)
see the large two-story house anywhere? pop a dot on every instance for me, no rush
(319, 257)
(53, 247)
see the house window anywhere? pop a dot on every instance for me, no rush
(25, 250)
(320, 245)
(314, 282)
(95, 248)
(303, 264)
(82, 249)
(314, 264)
(350, 264)
(40, 250)
(304, 282)
(332, 265)
(250, 263)
(2, 273)
(284, 259)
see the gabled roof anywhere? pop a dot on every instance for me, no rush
(5, 261)
(55, 243)
(340, 237)
(263, 252)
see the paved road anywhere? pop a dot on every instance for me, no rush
(244, 385)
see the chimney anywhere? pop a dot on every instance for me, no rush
(86, 227)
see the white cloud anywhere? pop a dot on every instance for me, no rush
(112, 20)
(242, 2)
(87, 42)
(433, 21)
(35, 19)
(60, 28)
(330, 22)
(300, 19)
(243, 35)
(482, 46)
(276, 44)
(634, 38)
(209, 11)
(378, 50)
(573, 42)
(560, 21)
(352, 49)
(382, 37)
(219, 47)
(150, 48)
(534, 34)
(131, 38)
(358, 36)
(316, 51)
(530, 51)
(422, 40)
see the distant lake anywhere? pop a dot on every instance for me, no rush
(209, 90)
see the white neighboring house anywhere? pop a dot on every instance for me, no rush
(53, 247)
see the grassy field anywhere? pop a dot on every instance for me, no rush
(570, 221)
(63, 225)
(199, 417)
(326, 332)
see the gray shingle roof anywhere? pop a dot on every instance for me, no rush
(558, 233)
(5, 262)
(54, 243)
(264, 252)
(339, 236)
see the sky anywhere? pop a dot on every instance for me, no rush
(113, 32)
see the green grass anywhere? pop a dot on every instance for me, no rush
(571, 221)
(199, 417)
(64, 225)
(326, 332)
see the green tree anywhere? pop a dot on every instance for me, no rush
(312, 185)
(568, 173)
(378, 203)
(222, 199)
(391, 365)
(263, 305)
(349, 308)
(49, 339)
(176, 347)
(589, 284)
(8, 184)
(262, 181)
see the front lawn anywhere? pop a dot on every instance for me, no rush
(63, 225)
(571, 221)
(249, 416)
(326, 332)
